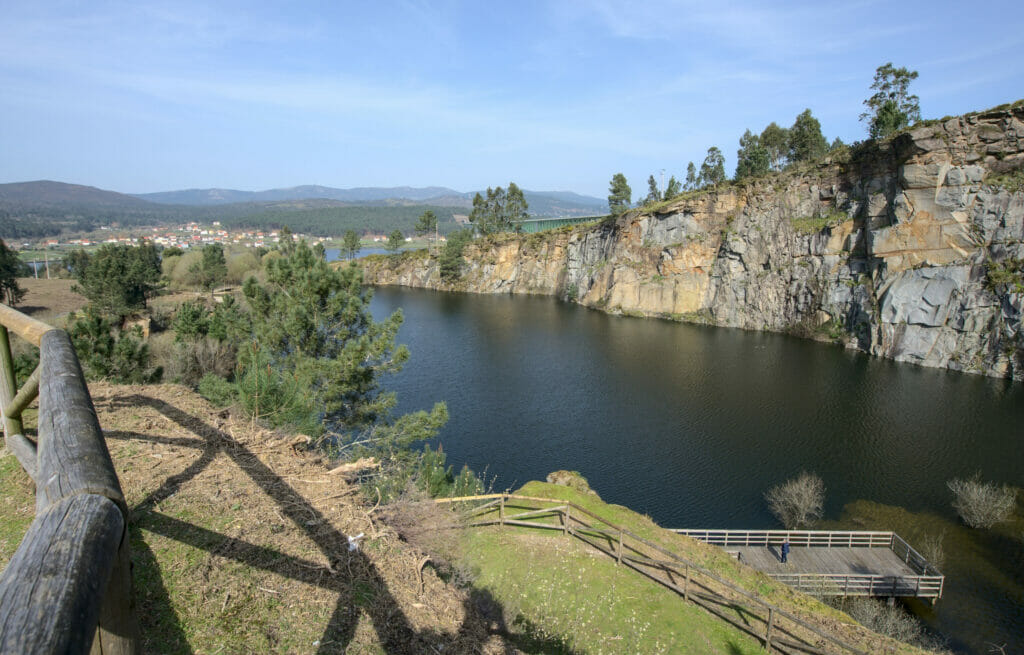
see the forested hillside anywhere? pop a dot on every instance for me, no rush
(45, 208)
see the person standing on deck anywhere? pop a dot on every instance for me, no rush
(785, 550)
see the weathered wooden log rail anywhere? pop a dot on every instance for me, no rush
(67, 589)
(778, 629)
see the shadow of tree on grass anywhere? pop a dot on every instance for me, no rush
(352, 576)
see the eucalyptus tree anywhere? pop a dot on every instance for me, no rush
(892, 107)
(712, 171)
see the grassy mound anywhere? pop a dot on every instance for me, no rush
(562, 594)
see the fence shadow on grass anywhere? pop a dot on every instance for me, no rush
(359, 586)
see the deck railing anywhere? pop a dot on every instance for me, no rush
(67, 589)
(927, 583)
(776, 628)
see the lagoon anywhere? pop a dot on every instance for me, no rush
(691, 424)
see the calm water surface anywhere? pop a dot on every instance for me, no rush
(692, 424)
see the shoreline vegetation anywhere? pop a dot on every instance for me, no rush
(186, 337)
(295, 367)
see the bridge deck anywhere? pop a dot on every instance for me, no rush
(838, 561)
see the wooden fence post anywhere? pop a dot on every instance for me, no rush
(117, 631)
(768, 632)
(565, 527)
(686, 584)
(618, 551)
(501, 511)
(8, 386)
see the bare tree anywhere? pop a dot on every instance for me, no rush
(982, 504)
(797, 502)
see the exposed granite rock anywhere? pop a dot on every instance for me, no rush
(885, 248)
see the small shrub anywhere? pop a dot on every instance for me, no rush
(815, 224)
(241, 265)
(191, 321)
(217, 390)
(982, 504)
(184, 273)
(1006, 275)
(894, 621)
(25, 360)
(270, 392)
(1012, 182)
(432, 528)
(191, 360)
(121, 356)
(932, 548)
(797, 502)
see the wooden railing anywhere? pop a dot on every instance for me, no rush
(841, 584)
(775, 627)
(928, 581)
(807, 538)
(67, 589)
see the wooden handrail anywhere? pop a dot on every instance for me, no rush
(26, 327)
(67, 589)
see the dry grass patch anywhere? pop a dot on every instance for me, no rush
(240, 544)
(49, 300)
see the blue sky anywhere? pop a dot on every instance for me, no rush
(142, 96)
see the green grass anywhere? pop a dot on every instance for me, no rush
(580, 601)
(17, 506)
(1007, 274)
(815, 224)
(1012, 181)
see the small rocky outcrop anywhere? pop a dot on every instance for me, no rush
(571, 479)
(887, 247)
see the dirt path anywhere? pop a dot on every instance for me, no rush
(240, 544)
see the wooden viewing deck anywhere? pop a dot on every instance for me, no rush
(833, 563)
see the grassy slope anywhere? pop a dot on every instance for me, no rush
(17, 505)
(578, 599)
(239, 544)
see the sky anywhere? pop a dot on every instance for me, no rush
(144, 96)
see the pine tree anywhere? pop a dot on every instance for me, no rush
(395, 241)
(426, 224)
(806, 142)
(211, 270)
(751, 158)
(11, 267)
(619, 195)
(311, 324)
(653, 195)
(117, 279)
(500, 211)
(673, 189)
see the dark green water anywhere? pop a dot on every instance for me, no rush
(691, 425)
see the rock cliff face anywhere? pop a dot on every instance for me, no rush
(910, 249)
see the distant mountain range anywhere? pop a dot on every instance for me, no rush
(547, 203)
(43, 208)
(46, 193)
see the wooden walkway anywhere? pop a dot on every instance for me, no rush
(833, 563)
